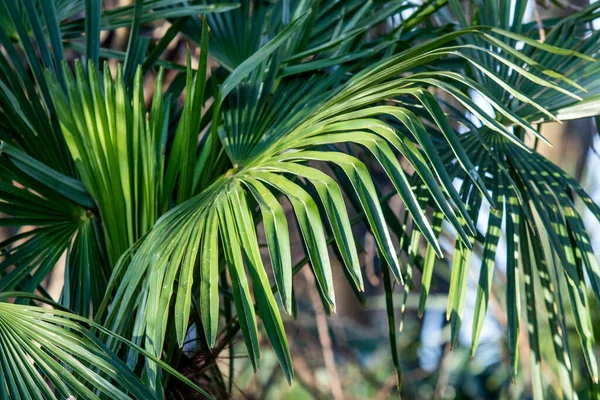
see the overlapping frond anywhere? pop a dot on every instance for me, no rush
(55, 215)
(532, 196)
(41, 30)
(575, 77)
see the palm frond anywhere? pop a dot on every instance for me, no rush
(535, 191)
(59, 209)
(157, 209)
(51, 353)
(575, 78)
(267, 159)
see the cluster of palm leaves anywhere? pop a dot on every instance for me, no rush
(162, 208)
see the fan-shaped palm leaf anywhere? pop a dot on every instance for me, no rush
(49, 354)
(266, 156)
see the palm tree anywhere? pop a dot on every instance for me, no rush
(162, 208)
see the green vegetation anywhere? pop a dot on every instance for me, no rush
(172, 211)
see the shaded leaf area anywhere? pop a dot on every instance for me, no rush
(334, 33)
(57, 226)
(537, 199)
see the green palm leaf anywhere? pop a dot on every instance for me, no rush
(49, 354)
(157, 208)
